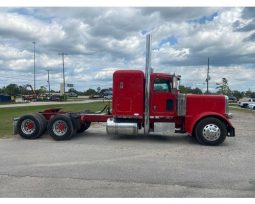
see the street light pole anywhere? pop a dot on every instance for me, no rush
(63, 60)
(34, 65)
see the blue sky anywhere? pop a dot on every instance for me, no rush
(100, 40)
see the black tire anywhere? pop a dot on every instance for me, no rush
(84, 126)
(29, 126)
(245, 106)
(43, 122)
(216, 136)
(59, 122)
(76, 122)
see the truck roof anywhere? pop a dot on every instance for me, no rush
(127, 71)
(162, 75)
(141, 72)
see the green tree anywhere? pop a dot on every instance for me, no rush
(72, 90)
(224, 87)
(12, 89)
(197, 91)
(238, 94)
(42, 90)
(90, 92)
(98, 89)
(250, 94)
(184, 89)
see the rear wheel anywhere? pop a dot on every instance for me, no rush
(31, 126)
(211, 131)
(61, 127)
(43, 122)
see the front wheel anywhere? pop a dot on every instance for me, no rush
(211, 131)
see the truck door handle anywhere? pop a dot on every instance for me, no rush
(155, 108)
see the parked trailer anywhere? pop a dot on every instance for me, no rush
(140, 100)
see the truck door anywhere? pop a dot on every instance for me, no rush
(163, 102)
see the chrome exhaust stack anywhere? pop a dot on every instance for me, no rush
(147, 86)
(116, 127)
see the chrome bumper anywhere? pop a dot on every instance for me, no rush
(229, 115)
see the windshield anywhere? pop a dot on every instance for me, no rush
(162, 85)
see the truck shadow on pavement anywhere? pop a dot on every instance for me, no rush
(182, 139)
(153, 138)
(173, 139)
(158, 138)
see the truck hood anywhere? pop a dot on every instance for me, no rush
(196, 104)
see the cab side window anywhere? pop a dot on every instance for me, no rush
(162, 85)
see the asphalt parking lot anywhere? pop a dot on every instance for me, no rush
(95, 165)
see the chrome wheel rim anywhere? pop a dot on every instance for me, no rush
(28, 126)
(60, 127)
(211, 132)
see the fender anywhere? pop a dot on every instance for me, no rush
(191, 121)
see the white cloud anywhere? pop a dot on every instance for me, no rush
(113, 38)
(171, 53)
(26, 27)
(20, 64)
(105, 73)
(46, 61)
(7, 52)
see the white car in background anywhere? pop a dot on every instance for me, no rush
(251, 106)
(243, 103)
(108, 97)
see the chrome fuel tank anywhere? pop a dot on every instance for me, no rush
(121, 128)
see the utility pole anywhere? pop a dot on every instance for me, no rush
(63, 60)
(34, 65)
(48, 80)
(207, 78)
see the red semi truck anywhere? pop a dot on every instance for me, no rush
(147, 100)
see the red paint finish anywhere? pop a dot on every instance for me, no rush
(128, 93)
(48, 113)
(94, 117)
(199, 106)
(162, 99)
(128, 102)
(30, 125)
(61, 126)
